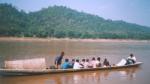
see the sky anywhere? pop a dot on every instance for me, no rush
(133, 11)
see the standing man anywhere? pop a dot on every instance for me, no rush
(58, 60)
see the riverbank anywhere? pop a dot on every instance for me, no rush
(30, 39)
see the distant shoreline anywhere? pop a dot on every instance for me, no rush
(28, 39)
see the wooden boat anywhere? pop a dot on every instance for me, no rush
(8, 72)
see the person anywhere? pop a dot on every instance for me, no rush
(93, 62)
(98, 63)
(87, 64)
(83, 62)
(131, 59)
(58, 60)
(66, 64)
(106, 63)
(77, 65)
(72, 63)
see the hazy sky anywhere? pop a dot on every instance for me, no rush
(134, 11)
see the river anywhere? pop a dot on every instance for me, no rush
(112, 50)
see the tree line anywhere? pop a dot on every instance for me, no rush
(61, 22)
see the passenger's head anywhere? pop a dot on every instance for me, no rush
(66, 60)
(131, 55)
(93, 58)
(98, 58)
(62, 53)
(105, 59)
(73, 60)
(77, 60)
(87, 60)
(83, 60)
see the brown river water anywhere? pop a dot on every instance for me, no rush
(113, 51)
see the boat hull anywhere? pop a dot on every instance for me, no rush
(15, 72)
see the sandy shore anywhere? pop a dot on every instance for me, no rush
(30, 39)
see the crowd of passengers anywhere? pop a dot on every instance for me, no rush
(86, 63)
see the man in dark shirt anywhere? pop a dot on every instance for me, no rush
(58, 60)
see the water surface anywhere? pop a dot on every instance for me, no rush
(114, 51)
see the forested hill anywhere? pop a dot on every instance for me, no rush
(60, 22)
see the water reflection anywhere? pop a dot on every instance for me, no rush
(89, 77)
(128, 74)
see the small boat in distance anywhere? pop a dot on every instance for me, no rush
(17, 72)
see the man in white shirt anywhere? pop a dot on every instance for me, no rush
(77, 65)
(132, 58)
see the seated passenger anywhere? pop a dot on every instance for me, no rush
(72, 63)
(87, 64)
(106, 63)
(66, 64)
(83, 62)
(131, 59)
(93, 62)
(98, 63)
(77, 65)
